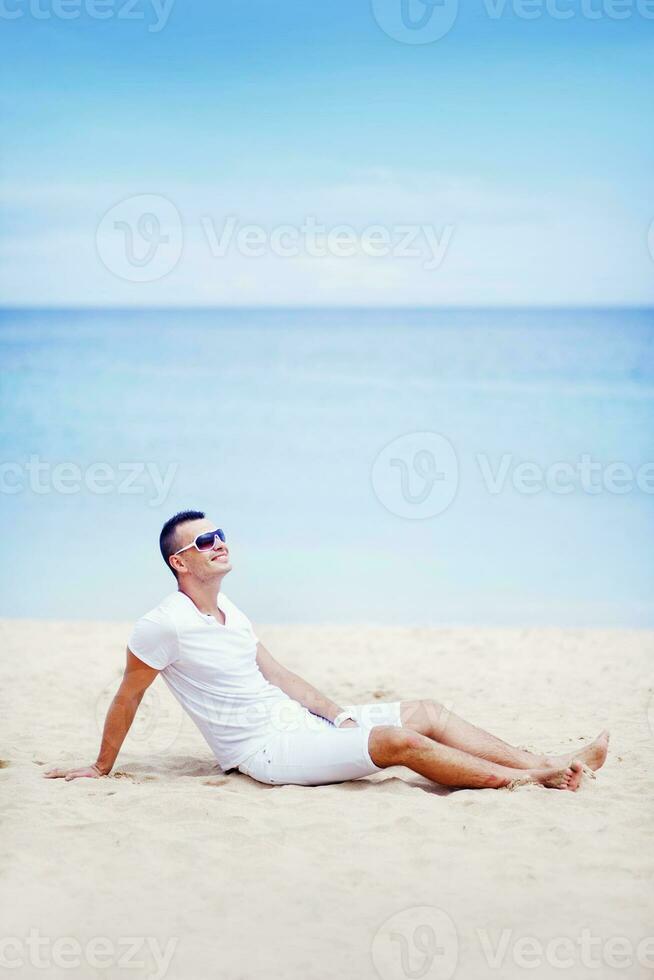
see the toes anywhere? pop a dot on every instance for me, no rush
(577, 770)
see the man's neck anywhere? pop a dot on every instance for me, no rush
(203, 594)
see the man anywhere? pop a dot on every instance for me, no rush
(264, 720)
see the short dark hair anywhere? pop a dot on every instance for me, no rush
(168, 536)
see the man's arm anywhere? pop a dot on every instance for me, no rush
(136, 680)
(297, 688)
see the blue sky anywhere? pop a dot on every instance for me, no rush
(524, 144)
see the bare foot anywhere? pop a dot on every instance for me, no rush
(592, 755)
(568, 777)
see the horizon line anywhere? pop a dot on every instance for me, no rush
(445, 307)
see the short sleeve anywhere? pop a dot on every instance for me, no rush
(154, 642)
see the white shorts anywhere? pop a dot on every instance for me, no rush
(313, 752)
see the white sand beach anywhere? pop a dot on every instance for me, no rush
(389, 877)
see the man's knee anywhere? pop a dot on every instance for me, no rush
(426, 716)
(389, 745)
(436, 714)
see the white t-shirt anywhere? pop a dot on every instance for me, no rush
(213, 673)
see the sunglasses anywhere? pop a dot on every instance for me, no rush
(205, 541)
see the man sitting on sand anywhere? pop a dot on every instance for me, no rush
(264, 720)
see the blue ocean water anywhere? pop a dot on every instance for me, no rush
(367, 465)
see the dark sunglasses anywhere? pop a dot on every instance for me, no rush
(204, 542)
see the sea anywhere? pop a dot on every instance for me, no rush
(370, 466)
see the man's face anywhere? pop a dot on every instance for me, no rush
(201, 565)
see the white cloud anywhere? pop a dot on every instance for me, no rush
(508, 246)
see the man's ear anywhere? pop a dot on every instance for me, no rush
(176, 562)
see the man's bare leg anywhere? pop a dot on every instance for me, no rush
(390, 746)
(435, 721)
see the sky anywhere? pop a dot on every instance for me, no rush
(490, 152)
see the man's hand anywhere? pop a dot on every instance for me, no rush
(90, 772)
(348, 723)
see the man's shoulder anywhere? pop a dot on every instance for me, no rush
(167, 612)
(155, 636)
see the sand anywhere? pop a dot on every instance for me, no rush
(193, 874)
